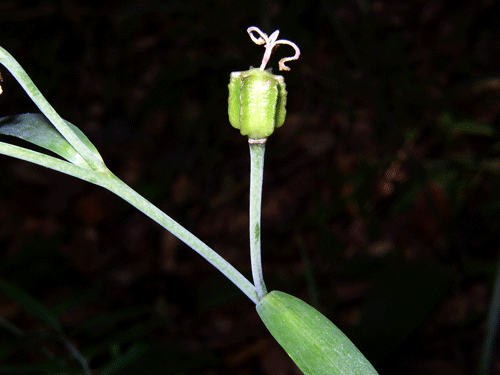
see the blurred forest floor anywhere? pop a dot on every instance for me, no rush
(380, 202)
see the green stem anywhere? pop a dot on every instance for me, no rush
(257, 149)
(93, 160)
(124, 191)
(109, 181)
(51, 162)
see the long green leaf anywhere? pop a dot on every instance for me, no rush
(30, 304)
(37, 129)
(313, 342)
(129, 357)
(53, 367)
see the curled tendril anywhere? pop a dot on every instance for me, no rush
(270, 42)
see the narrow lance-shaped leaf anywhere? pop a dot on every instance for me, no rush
(122, 361)
(314, 343)
(30, 304)
(37, 129)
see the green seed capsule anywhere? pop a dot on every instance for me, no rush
(257, 102)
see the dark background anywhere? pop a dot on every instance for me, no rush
(380, 203)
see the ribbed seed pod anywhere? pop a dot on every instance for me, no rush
(257, 101)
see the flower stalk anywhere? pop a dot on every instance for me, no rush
(256, 106)
(257, 149)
